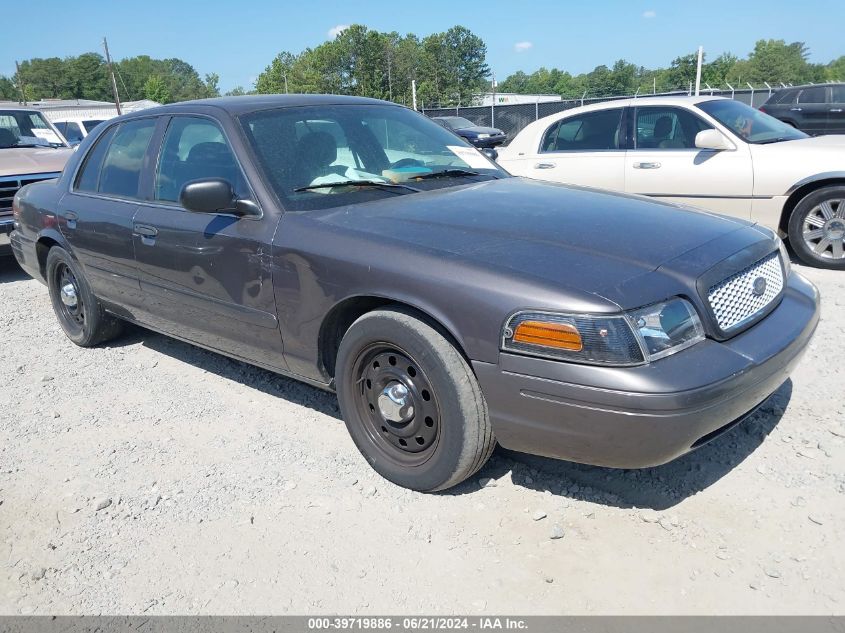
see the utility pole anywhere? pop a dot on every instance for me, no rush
(19, 81)
(113, 82)
(493, 105)
(698, 70)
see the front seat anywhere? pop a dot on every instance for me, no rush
(316, 151)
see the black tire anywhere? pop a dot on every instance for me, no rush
(448, 436)
(85, 323)
(817, 228)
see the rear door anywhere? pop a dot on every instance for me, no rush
(836, 112)
(95, 216)
(664, 163)
(811, 109)
(205, 276)
(585, 149)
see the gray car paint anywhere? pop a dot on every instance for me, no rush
(272, 290)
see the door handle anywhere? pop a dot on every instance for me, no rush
(836, 109)
(71, 218)
(646, 165)
(146, 233)
(795, 109)
(544, 166)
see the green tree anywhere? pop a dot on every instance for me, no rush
(155, 89)
(8, 90)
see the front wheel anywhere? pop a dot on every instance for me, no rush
(78, 311)
(411, 402)
(817, 228)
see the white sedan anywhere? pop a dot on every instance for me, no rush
(710, 152)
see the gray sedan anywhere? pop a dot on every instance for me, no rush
(358, 246)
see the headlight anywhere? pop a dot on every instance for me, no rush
(632, 338)
(483, 136)
(667, 327)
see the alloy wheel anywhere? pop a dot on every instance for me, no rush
(823, 229)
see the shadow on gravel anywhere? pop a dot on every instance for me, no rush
(656, 488)
(10, 271)
(234, 370)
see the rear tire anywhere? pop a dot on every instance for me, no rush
(79, 312)
(436, 433)
(817, 228)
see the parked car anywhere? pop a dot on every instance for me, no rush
(76, 129)
(357, 246)
(30, 150)
(709, 152)
(478, 135)
(818, 109)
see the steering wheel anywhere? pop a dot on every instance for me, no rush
(407, 162)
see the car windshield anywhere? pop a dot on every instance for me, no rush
(309, 152)
(26, 128)
(458, 122)
(749, 124)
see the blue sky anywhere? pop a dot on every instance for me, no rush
(238, 39)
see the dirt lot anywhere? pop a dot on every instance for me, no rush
(223, 488)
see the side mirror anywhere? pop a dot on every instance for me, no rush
(490, 153)
(713, 139)
(215, 195)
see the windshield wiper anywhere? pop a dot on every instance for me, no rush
(774, 140)
(357, 183)
(30, 145)
(446, 173)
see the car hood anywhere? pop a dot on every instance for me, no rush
(16, 161)
(477, 129)
(589, 240)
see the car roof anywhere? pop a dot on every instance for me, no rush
(250, 103)
(18, 109)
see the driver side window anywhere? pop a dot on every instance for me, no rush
(195, 148)
(667, 128)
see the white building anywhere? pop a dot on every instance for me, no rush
(61, 109)
(511, 98)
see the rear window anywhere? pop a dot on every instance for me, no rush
(89, 176)
(817, 94)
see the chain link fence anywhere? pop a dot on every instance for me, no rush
(511, 118)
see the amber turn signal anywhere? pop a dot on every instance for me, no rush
(557, 335)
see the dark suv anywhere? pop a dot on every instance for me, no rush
(816, 109)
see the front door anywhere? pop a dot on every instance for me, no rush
(206, 276)
(664, 163)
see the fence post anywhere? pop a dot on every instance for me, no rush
(752, 93)
(537, 108)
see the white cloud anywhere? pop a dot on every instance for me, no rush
(521, 47)
(649, 14)
(337, 30)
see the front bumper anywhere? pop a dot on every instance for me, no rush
(636, 417)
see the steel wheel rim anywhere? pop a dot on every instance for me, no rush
(409, 442)
(823, 229)
(73, 313)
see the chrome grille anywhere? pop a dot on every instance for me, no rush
(9, 186)
(734, 301)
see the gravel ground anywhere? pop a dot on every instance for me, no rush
(152, 477)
